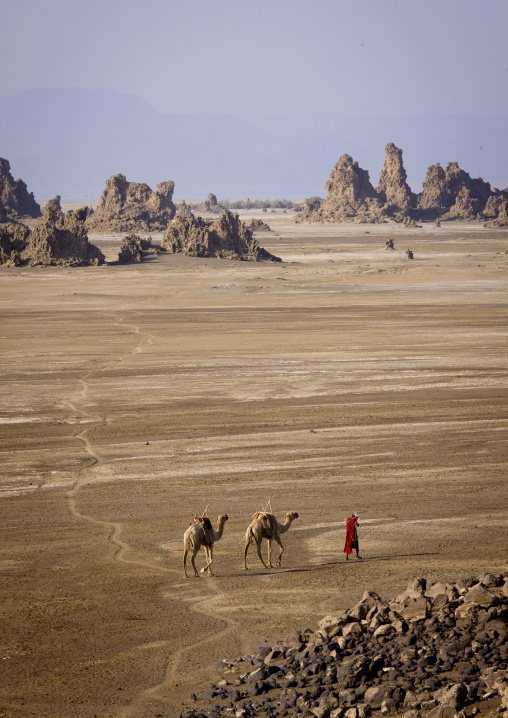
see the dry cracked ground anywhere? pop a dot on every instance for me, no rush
(346, 379)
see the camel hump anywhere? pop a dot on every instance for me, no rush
(207, 523)
(202, 521)
(268, 521)
(273, 523)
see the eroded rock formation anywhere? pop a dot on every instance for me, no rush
(257, 225)
(448, 193)
(184, 210)
(434, 198)
(58, 240)
(135, 249)
(3, 213)
(393, 189)
(434, 651)
(131, 206)
(310, 205)
(226, 237)
(55, 203)
(210, 205)
(13, 240)
(62, 240)
(496, 209)
(350, 197)
(14, 196)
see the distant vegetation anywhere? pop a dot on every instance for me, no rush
(256, 204)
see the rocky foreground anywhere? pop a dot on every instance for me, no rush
(438, 650)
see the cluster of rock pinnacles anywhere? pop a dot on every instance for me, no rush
(448, 193)
(131, 207)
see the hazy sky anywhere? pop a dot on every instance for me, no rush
(352, 57)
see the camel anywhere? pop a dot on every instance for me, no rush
(266, 526)
(201, 533)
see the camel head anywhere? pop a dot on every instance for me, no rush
(222, 519)
(291, 515)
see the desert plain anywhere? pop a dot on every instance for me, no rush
(346, 378)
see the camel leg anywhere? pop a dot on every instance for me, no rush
(185, 552)
(281, 550)
(209, 559)
(258, 546)
(247, 544)
(193, 556)
(269, 553)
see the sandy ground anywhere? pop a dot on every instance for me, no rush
(346, 378)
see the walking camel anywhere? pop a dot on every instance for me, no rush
(266, 526)
(201, 533)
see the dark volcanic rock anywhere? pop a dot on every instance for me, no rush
(227, 238)
(130, 206)
(423, 668)
(17, 202)
(57, 240)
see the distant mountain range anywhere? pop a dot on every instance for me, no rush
(69, 142)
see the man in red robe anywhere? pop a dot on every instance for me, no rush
(352, 536)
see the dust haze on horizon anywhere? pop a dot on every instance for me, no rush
(364, 58)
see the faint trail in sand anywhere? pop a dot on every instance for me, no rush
(205, 605)
(115, 529)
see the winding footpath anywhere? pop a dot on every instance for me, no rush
(202, 605)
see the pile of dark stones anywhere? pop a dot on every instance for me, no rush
(438, 650)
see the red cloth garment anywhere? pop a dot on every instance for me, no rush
(350, 533)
